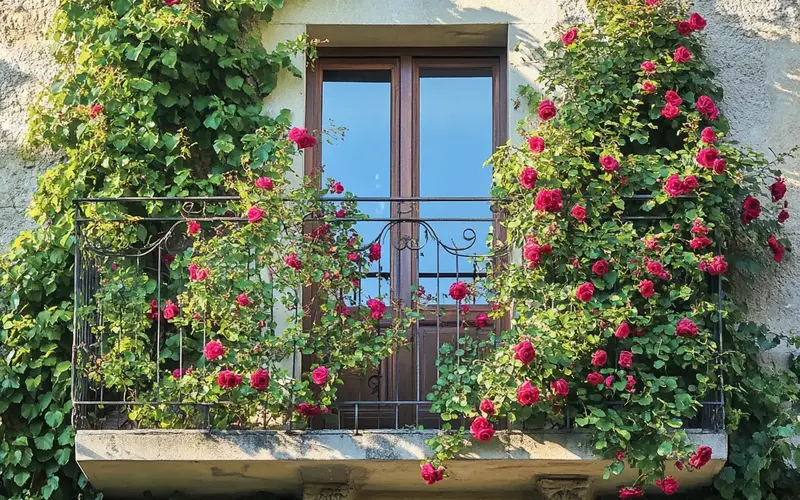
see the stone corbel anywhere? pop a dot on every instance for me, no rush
(564, 488)
(327, 492)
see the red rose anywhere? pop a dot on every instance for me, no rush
(259, 380)
(532, 253)
(243, 300)
(668, 485)
(699, 228)
(651, 3)
(672, 97)
(783, 215)
(684, 28)
(579, 213)
(377, 309)
(536, 144)
(560, 387)
(708, 135)
(619, 456)
(487, 407)
(609, 381)
(95, 111)
(777, 248)
(778, 189)
(701, 457)
(301, 137)
(308, 410)
(655, 267)
(570, 36)
(697, 22)
(547, 110)
(648, 87)
(682, 55)
(585, 292)
(599, 358)
(527, 394)
(458, 290)
(639, 331)
(214, 350)
(255, 214)
(192, 227)
(178, 374)
(670, 111)
(623, 330)
(170, 310)
(320, 375)
(337, 188)
(600, 267)
(525, 352)
(630, 385)
(228, 380)
(153, 314)
(609, 163)
(647, 289)
(481, 320)
(594, 378)
(686, 328)
(527, 178)
(679, 464)
(719, 166)
(700, 242)
(707, 156)
(375, 252)
(648, 67)
(674, 186)
(690, 183)
(631, 492)
(625, 359)
(293, 261)
(482, 429)
(265, 183)
(196, 274)
(548, 200)
(718, 266)
(170, 3)
(431, 475)
(706, 107)
(751, 209)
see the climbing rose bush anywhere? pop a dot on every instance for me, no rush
(645, 210)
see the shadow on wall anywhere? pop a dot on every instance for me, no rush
(12, 80)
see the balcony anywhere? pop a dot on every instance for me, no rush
(369, 442)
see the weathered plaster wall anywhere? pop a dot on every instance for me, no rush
(25, 67)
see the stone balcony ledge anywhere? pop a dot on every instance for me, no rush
(372, 464)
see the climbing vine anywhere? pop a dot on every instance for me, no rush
(631, 210)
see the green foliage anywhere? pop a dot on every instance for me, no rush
(604, 109)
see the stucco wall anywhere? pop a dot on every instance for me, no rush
(754, 45)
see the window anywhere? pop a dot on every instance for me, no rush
(409, 132)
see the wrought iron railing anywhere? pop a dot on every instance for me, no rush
(430, 247)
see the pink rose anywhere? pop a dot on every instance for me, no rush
(648, 67)
(630, 384)
(228, 379)
(625, 359)
(547, 110)
(697, 22)
(431, 475)
(487, 407)
(302, 138)
(599, 358)
(170, 310)
(525, 352)
(481, 320)
(670, 111)
(706, 107)
(293, 261)
(569, 37)
(192, 227)
(700, 242)
(655, 267)
(579, 213)
(594, 378)
(375, 252)
(707, 156)
(648, 87)
(265, 183)
(214, 350)
(630, 492)
(255, 214)
(259, 380)
(527, 394)
(600, 268)
(609, 163)
(623, 330)
(609, 381)
(560, 387)
(337, 188)
(243, 300)
(686, 328)
(682, 55)
(719, 166)
(320, 375)
(647, 289)
(548, 200)
(458, 290)
(527, 178)
(708, 135)
(669, 485)
(585, 292)
(482, 429)
(674, 186)
(672, 97)
(178, 374)
(532, 253)
(536, 144)
(717, 266)
(377, 309)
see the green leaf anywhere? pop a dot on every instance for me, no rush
(45, 441)
(21, 478)
(63, 455)
(141, 84)
(213, 121)
(234, 82)
(54, 418)
(169, 58)
(665, 449)
(50, 487)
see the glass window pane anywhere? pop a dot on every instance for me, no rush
(356, 150)
(456, 138)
